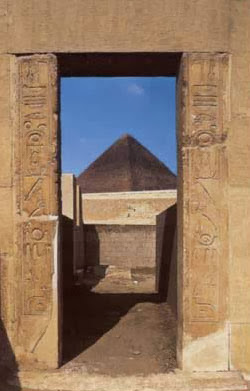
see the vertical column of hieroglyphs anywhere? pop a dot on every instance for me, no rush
(37, 207)
(204, 170)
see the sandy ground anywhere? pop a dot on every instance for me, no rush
(115, 329)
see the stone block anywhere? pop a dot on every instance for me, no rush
(73, 232)
(240, 347)
(36, 213)
(129, 208)
(79, 237)
(3, 25)
(127, 246)
(68, 188)
(119, 26)
(6, 140)
(239, 259)
(203, 212)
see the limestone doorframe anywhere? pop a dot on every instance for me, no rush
(36, 327)
(32, 302)
(203, 260)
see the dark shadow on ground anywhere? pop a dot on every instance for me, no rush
(88, 316)
(8, 364)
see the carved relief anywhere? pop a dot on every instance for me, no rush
(37, 153)
(204, 95)
(37, 267)
(203, 136)
(35, 196)
(200, 198)
(206, 230)
(206, 107)
(206, 163)
(38, 142)
(205, 293)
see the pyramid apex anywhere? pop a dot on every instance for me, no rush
(125, 136)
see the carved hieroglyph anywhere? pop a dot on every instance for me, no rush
(36, 183)
(203, 178)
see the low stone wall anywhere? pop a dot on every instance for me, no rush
(131, 230)
(128, 208)
(121, 245)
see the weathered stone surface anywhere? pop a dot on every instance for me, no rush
(3, 25)
(203, 214)
(239, 190)
(124, 229)
(121, 245)
(7, 271)
(119, 26)
(68, 188)
(78, 380)
(126, 208)
(239, 266)
(36, 212)
(240, 348)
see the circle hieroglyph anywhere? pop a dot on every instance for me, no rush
(204, 138)
(37, 234)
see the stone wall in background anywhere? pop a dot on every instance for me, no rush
(131, 208)
(73, 250)
(122, 229)
(166, 256)
(121, 245)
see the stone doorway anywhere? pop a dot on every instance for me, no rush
(213, 224)
(35, 325)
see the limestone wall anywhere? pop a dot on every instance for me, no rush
(129, 208)
(121, 228)
(128, 246)
(7, 258)
(73, 250)
(115, 26)
(239, 187)
(166, 256)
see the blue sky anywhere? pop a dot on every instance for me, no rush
(95, 112)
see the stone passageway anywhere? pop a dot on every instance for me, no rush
(118, 327)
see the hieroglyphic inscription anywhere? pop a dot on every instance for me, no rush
(205, 95)
(37, 267)
(37, 133)
(205, 294)
(37, 148)
(204, 249)
(35, 137)
(204, 137)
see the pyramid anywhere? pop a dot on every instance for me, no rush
(126, 166)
